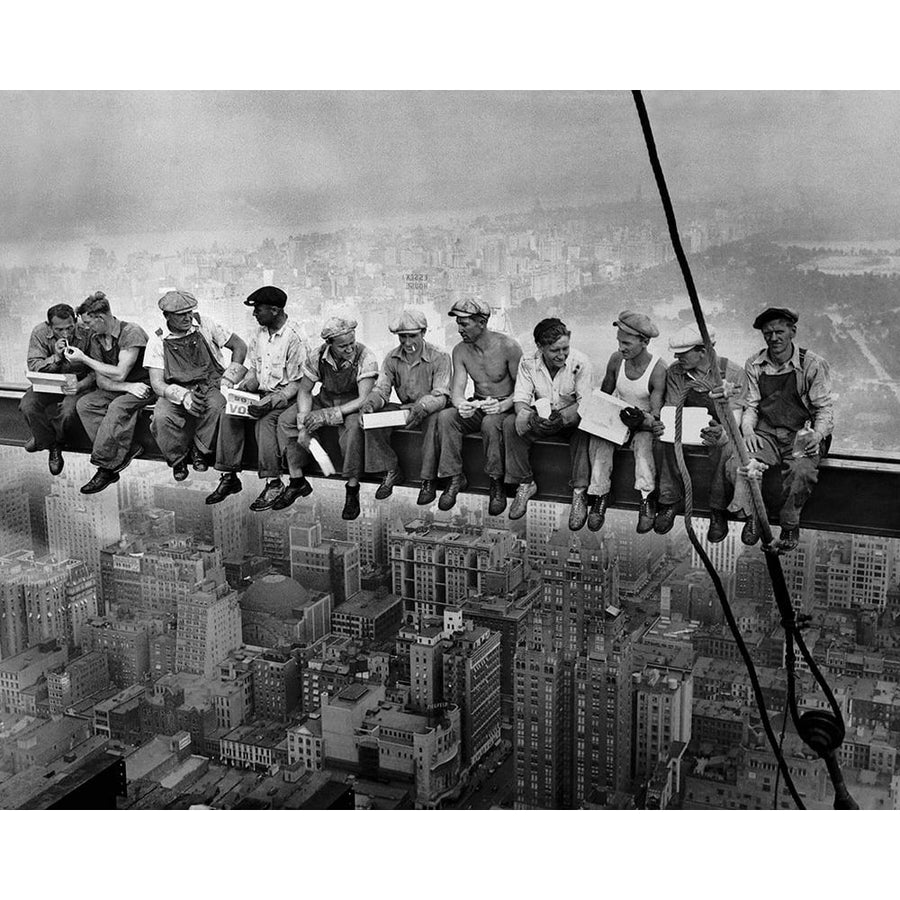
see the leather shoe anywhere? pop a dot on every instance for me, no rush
(497, 501)
(597, 514)
(524, 492)
(718, 526)
(646, 515)
(198, 460)
(351, 504)
(229, 483)
(788, 539)
(578, 512)
(750, 532)
(427, 493)
(665, 518)
(297, 487)
(103, 478)
(448, 497)
(180, 470)
(267, 496)
(56, 461)
(30, 446)
(386, 488)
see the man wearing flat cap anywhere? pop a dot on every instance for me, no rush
(689, 383)
(274, 356)
(638, 377)
(187, 373)
(346, 371)
(491, 360)
(560, 377)
(787, 421)
(420, 374)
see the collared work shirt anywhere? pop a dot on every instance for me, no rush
(122, 336)
(533, 381)
(425, 381)
(41, 356)
(680, 382)
(813, 386)
(216, 336)
(276, 358)
(368, 363)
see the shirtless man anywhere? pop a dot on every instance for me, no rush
(637, 376)
(491, 360)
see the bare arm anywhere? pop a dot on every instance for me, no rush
(609, 377)
(116, 373)
(304, 396)
(513, 358)
(657, 388)
(237, 347)
(364, 386)
(460, 377)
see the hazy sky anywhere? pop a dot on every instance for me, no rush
(73, 164)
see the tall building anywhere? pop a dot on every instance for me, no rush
(640, 558)
(209, 628)
(79, 525)
(723, 555)
(276, 685)
(323, 564)
(872, 564)
(368, 617)
(369, 531)
(20, 672)
(662, 714)
(127, 648)
(434, 565)
(220, 524)
(15, 521)
(81, 678)
(542, 519)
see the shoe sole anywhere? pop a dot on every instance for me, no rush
(105, 486)
(425, 501)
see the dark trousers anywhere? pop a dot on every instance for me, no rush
(176, 430)
(49, 416)
(230, 443)
(110, 419)
(452, 427)
(518, 454)
(798, 476)
(671, 487)
(381, 456)
(350, 439)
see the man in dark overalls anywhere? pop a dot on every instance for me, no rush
(186, 372)
(788, 420)
(109, 414)
(346, 371)
(689, 383)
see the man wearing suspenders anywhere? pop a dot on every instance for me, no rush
(186, 373)
(788, 421)
(638, 377)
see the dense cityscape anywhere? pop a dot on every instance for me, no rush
(423, 659)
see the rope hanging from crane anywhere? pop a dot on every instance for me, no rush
(820, 730)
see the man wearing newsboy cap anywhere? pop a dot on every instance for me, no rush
(420, 374)
(274, 355)
(787, 421)
(186, 373)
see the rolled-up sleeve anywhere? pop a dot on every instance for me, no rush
(818, 376)
(437, 398)
(751, 397)
(368, 366)
(583, 380)
(386, 379)
(524, 389)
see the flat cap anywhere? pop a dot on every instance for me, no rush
(689, 337)
(636, 323)
(336, 326)
(267, 296)
(775, 312)
(177, 301)
(408, 320)
(470, 307)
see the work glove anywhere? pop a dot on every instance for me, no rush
(416, 416)
(333, 415)
(714, 435)
(232, 375)
(632, 417)
(194, 403)
(314, 420)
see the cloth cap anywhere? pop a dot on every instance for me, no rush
(335, 326)
(689, 337)
(636, 323)
(267, 296)
(470, 307)
(775, 312)
(177, 302)
(408, 320)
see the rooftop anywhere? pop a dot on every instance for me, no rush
(366, 603)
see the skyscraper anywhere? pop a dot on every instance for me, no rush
(79, 525)
(220, 524)
(209, 628)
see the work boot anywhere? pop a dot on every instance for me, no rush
(750, 532)
(718, 526)
(788, 539)
(103, 478)
(386, 488)
(524, 492)
(180, 470)
(297, 487)
(229, 483)
(268, 495)
(497, 501)
(30, 446)
(448, 497)
(427, 493)
(597, 514)
(665, 518)
(56, 461)
(351, 504)
(198, 460)
(578, 511)
(646, 515)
